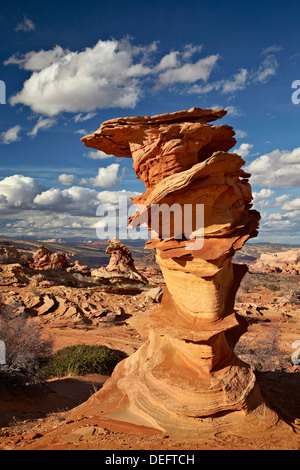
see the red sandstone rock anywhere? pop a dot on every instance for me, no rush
(76, 268)
(45, 259)
(120, 257)
(13, 275)
(10, 255)
(47, 305)
(186, 372)
(163, 145)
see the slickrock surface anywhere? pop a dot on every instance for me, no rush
(186, 380)
(35, 421)
(287, 262)
(45, 287)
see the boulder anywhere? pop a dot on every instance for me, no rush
(45, 259)
(76, 268)
(10, 255)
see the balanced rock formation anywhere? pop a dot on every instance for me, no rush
(286, 262)
(186, 379)
(120, 275)
(121, 259)
(45, 259)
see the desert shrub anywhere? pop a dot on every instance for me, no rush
(248, 283)
(69, 282)
(295, 298)
(80, 360)
(263, 353)
(111, 320)
(26, 348)
(273, 287)
(16, 379)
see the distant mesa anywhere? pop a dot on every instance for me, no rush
(51, 240)
(286, 262)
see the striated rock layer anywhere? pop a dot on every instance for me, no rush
(186, 379)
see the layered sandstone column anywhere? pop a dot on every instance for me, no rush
(186, 378)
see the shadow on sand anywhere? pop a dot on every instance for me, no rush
(281, 391)
(61, 395)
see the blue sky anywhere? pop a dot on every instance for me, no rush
(69, 66)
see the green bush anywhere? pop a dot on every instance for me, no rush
(80, 360)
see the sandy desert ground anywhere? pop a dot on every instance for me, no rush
(39, 420)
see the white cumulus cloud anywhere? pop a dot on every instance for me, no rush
(97, 77)
(238, 82)
(240, 134)
(18, 191)
(66, 180)
(37, 61)
(278, 169)
(190, 73)
(292, 205)
(261, 199)
(97, 155)
(11, 135)
(27, 208)
(110, 74)
(107, 177)
(243, 150)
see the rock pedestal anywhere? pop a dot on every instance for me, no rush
(120, 275)
(186, 379)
